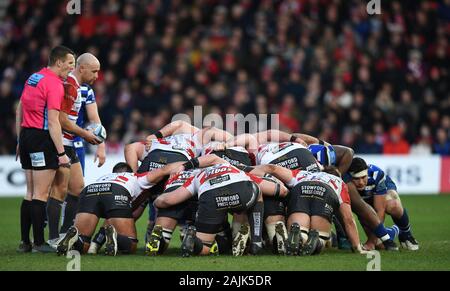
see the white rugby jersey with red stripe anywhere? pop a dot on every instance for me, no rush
(74, 109)
(134, 183)
(185, 144)
(335, 183)
(217, 176)
(271, 151)
(178, 179)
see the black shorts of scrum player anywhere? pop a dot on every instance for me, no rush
(313, 198)
(214, 205)
(105, 200)
(298, 159)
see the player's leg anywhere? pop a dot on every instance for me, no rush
(120, 234)
(250, 192)
(165, 224)
(55, 201)
(298, 224)
(400, 217)
(274, 212)
(81, 154)
(319, 234)
(25, 216)
(298, 210)
(98, 240)
(161, 235)
(76, 185)
(42, 180)
(368, 216)
(200, 237)
(78, 236)
(150, 221)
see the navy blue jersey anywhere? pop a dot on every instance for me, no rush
(376, 184)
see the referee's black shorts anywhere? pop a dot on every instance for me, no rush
(37, 150)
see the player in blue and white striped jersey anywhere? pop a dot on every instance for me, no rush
(88, 112)
(378, 190)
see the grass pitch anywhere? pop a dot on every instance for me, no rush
(430, 218)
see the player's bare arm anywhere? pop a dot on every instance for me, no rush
(133, 153)
(350, 226)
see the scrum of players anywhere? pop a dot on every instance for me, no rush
(292, 194)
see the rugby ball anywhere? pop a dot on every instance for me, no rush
(98, 130)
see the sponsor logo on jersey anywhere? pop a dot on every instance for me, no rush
(228, 201)
(291, 163)
(97, 188)
(219, 180)
(315, 190)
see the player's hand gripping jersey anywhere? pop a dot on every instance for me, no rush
(288, 155)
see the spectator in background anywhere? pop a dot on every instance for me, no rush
(330, 55)
(442, 144)
(396, 144)
(423, 145)
(368, 145)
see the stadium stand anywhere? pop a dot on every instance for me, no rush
(372, 82)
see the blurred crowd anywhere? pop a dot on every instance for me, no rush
(377, 83)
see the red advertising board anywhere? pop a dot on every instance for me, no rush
(445, 175)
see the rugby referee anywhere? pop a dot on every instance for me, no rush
(40, 144)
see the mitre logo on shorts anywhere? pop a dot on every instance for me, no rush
(329, 208)
(121, 198)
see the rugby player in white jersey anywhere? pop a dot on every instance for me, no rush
(221, 189)
(313, 199)
(110, 197)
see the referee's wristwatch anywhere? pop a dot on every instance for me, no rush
(61, 154)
